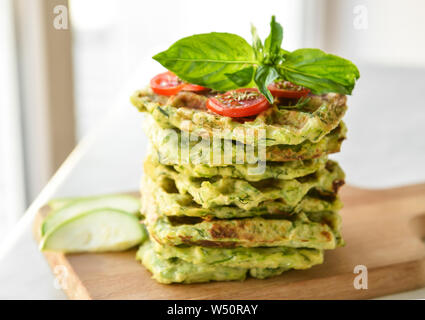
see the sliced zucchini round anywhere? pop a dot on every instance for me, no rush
(97, 230)
(77, 206)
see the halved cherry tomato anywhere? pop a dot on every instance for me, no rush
(193, 87)
(238, 103)
(286, 89)
(166, 84)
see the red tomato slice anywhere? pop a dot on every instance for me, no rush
(166, 84)
(238, 103)
(286, 89)
(193, 87)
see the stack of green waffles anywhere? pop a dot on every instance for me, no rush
(227, 198)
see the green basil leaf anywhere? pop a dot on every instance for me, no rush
(283, 53)
(319, 71)
(243, 77)
(205, 59)
(273, 42)
(256, 43)
(282, 56)
(263, 77)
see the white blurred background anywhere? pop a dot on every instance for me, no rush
(56, 85)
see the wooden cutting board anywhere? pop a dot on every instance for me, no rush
(384, 231)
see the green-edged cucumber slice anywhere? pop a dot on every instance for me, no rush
(76, 206)
(97, 230)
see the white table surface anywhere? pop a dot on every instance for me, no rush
(385, 148)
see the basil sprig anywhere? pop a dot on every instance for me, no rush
(225, 61)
